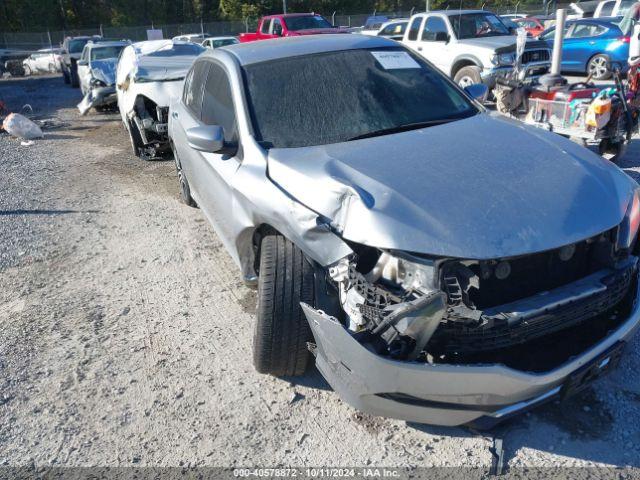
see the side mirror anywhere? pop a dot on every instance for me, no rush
(442, 37)
(82, 62)
(477, 91)
(207, 138)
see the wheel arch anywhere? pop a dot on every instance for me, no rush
(465, 61)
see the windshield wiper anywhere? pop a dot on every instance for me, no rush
(403, 128)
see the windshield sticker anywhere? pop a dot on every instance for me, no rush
(395, 60)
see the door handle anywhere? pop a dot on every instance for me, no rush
(174, 114)
(419, 49)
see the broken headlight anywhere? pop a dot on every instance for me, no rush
(409, 273)
(393, 300)
(628, 229)
(503, 59)
(97, 83)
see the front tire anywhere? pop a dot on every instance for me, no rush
(65, 77)
(185, 189)
(75, 80)
(282, 331)
(467, 76)
(599, 67)
(136, 139)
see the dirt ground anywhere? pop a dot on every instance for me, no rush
(125, 333)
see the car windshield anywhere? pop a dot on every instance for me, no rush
(76, 46)
(223, 42)
(477, 25)
(103, 53)
(306, 23)
(338, 96)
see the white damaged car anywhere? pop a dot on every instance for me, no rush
(148, 75)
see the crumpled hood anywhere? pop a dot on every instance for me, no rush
(156, 69)
(480, 188)
(490, 42)
(105, 70)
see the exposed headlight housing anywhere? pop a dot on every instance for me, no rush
(503, 59)
(97, 83)
(411, 273)
(628, 229)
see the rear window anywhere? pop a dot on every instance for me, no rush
(222, 43)
(76, 46)
(306, 23)
(103, 53)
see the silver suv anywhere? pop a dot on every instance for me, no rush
(394, 235)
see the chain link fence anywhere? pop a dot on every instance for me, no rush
(37, 40)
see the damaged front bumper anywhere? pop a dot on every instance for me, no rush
(452, 394)
(527, 74)
(97, 97)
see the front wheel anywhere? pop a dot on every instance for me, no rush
(467, 76)
(185, 189)
(65, 77)
(136, 139)
(75, 80)
(281, 332)
(599, 67)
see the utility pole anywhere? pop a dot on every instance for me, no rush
(284, 6)
(426, 5)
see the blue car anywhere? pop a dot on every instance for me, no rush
(593, 46)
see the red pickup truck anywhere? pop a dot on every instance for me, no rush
(289, 25)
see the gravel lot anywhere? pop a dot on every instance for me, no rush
(125, 333)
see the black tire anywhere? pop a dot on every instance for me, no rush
(65, 77)
(467, 76)
(599, 67)
(185, 190)
(282, 331)
(75, 80)
(136, 139)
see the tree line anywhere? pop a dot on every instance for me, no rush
(39, 15)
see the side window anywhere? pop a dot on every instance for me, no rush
(414, 29)
(266, 25)
(607, 9)
(432, 27)
(393, 29)
(587, 30)
(276, 27)
(193, 87)
(217, 107)
(552, 32)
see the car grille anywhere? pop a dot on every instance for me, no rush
(535, 56)
(453, 337)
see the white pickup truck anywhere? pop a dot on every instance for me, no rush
(472, 46)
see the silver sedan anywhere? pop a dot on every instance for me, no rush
(441, 265)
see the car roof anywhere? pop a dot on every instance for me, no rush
(290, 15)
(222, 37)
(395, 20)
(277, 48)
(113, 43)
(600, 21)
(451, 13)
